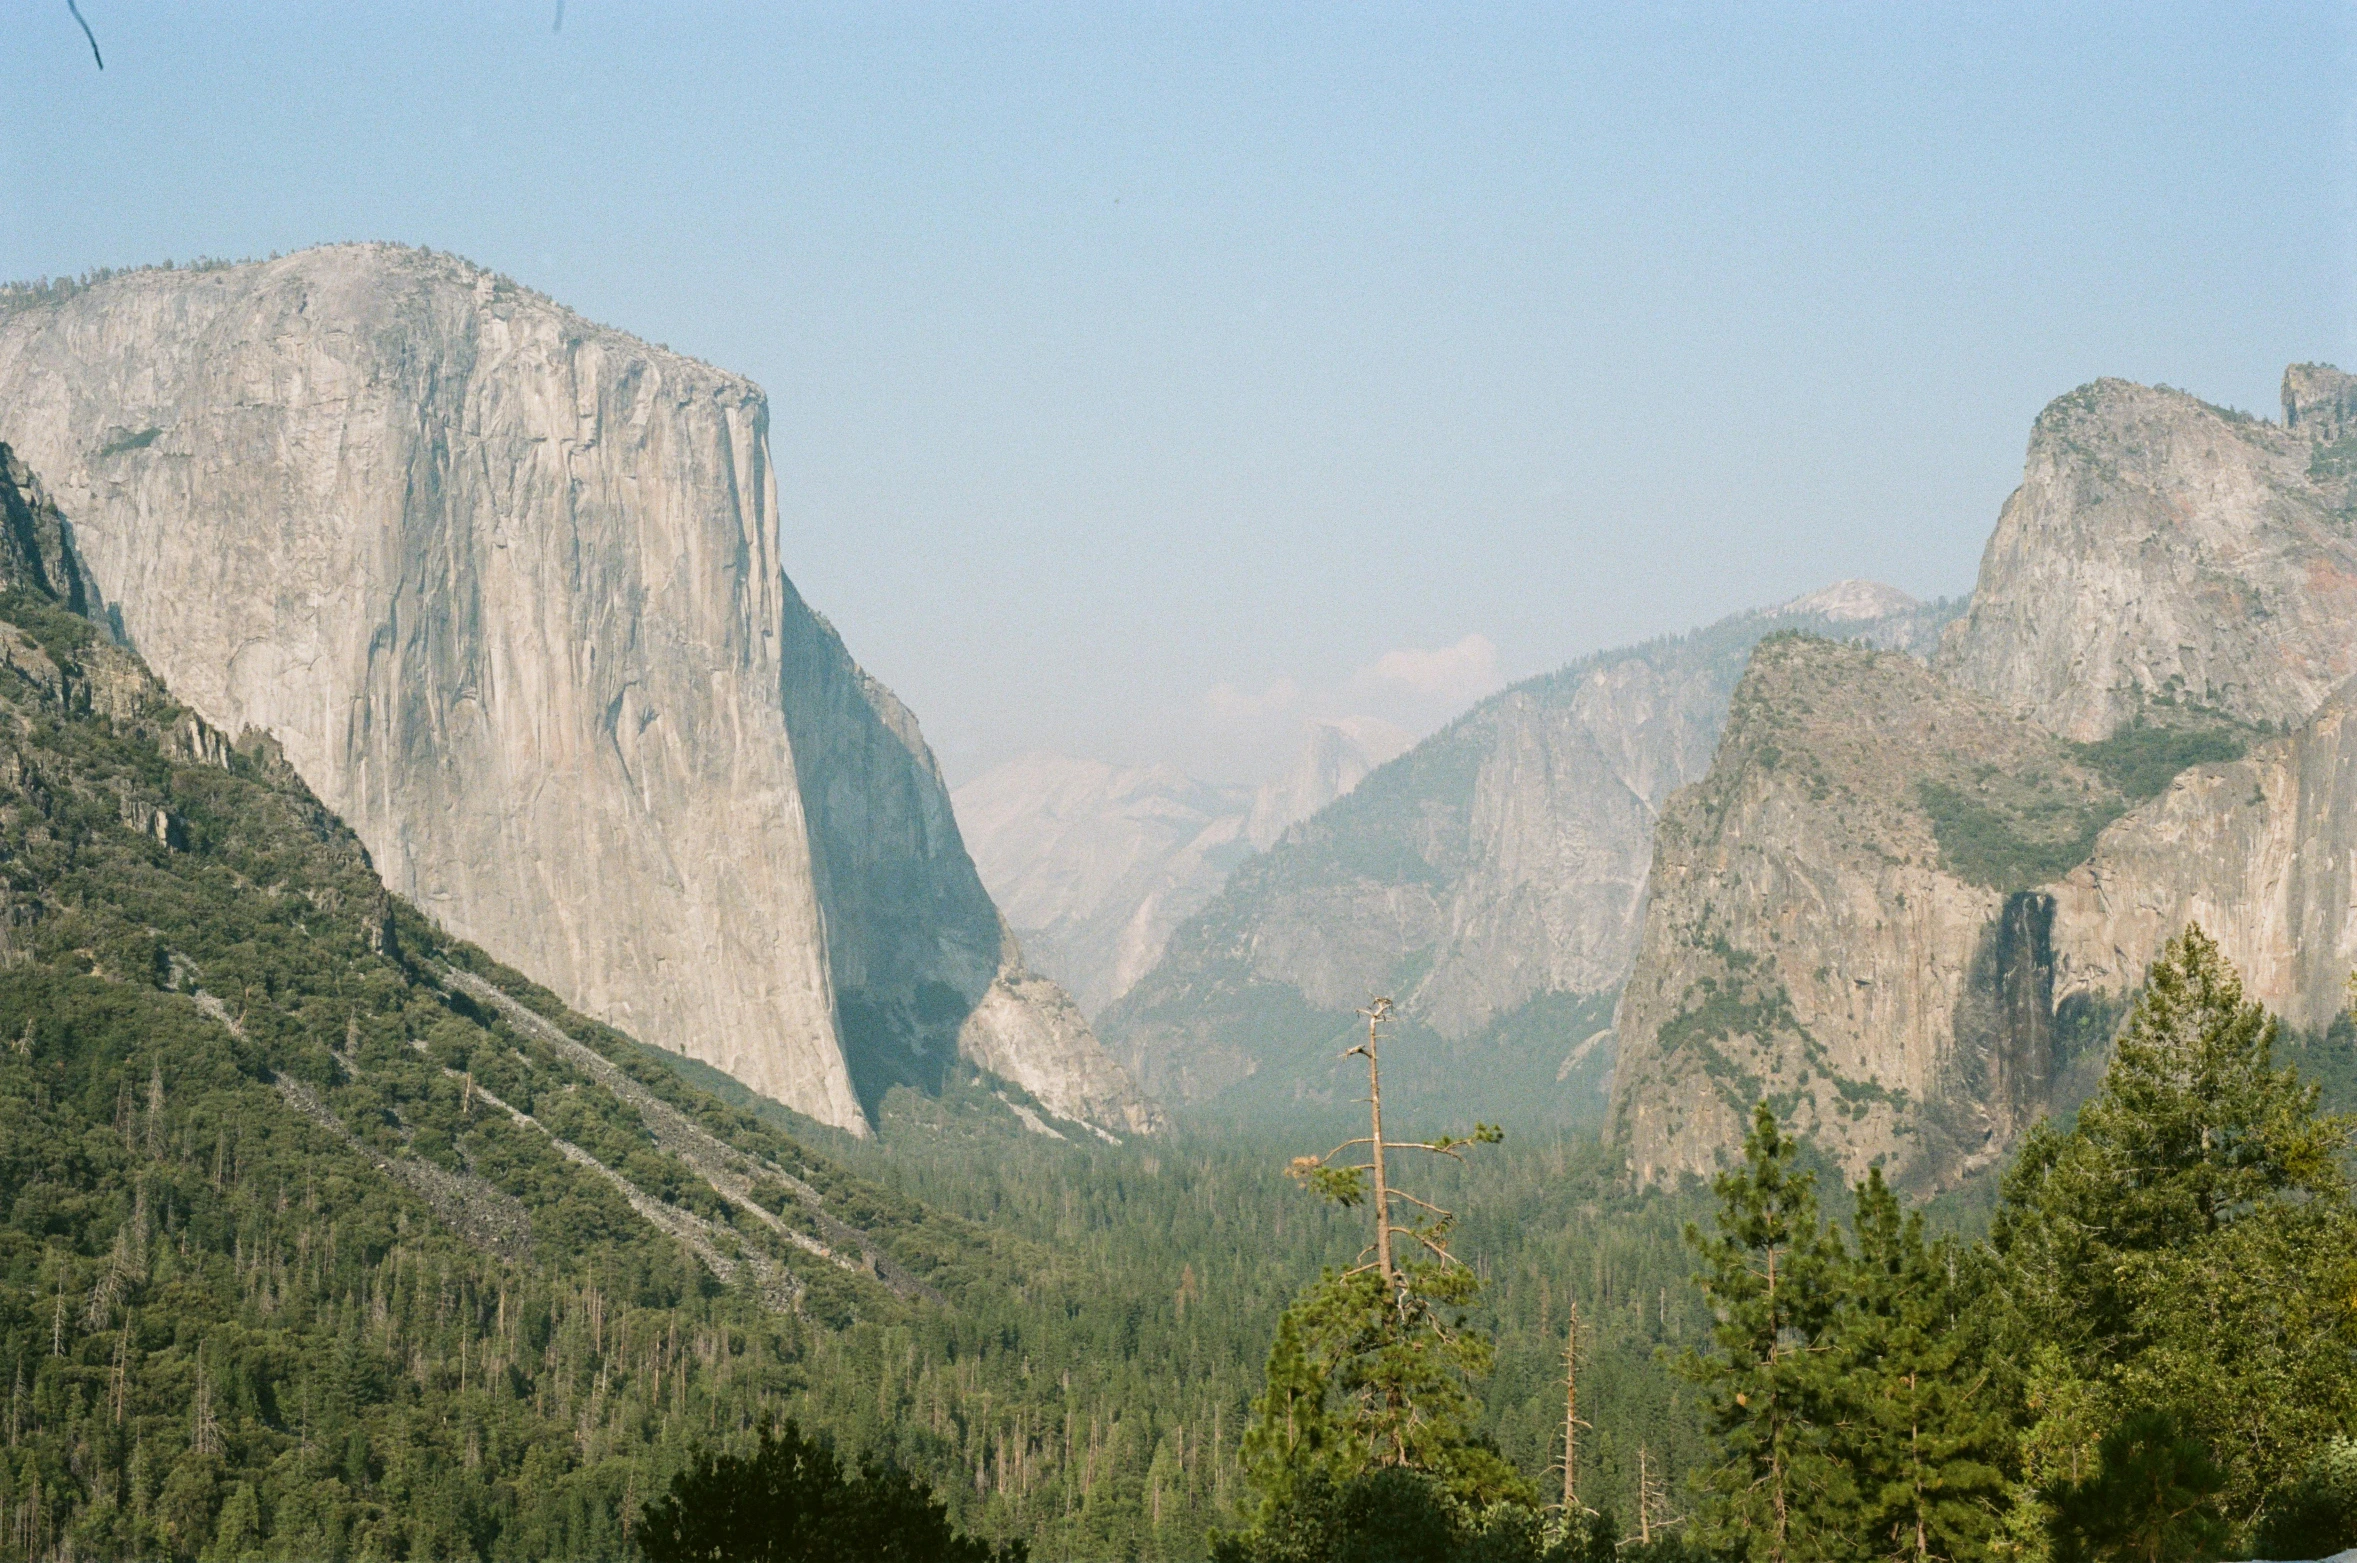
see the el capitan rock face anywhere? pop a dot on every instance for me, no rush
(504, 584)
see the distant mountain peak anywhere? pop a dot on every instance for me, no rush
(1853, 599)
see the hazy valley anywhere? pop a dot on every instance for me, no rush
(504, 1003)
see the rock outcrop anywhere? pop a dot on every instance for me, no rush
(2261, 851)
(1905, 908)
(2163, 552)
(505, 587)
(1491, 880)
(1842, 920)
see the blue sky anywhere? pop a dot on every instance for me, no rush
(1143, 377)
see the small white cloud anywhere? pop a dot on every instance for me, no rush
(1464, 671)
(1227, 703)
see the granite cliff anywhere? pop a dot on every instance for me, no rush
(2261, 851)
(1491, 879)
(2162, 552)
(1840, 921)
(1906, 905)
(505, 587)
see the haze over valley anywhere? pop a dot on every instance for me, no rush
(1311, 788)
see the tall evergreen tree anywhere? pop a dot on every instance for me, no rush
(2187, 1247)
(1922, 1431)
(1773, 1273)
(1370, 1373)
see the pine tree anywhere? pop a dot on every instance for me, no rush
(793, 1501)
(1773, 1275)
(1292, 1433)
(2187, 1248)
(1923, 1436)
(2149, 1499)
(1369, 1377)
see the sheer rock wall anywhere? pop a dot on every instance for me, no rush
(505, 586)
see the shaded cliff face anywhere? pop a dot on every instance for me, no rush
(925, 969)
(1491, 880)
(1844, 920)
(503, 584)
(2163, 552)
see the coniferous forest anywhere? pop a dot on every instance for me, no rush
(326, 1236)
(323, 1239)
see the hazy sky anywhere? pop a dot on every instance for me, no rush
(1146, 378)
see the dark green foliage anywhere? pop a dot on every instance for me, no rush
(2142, 758)
(1923, 1435)
(1985, 841)
(2318, 1517)
(129, 442)
(1773, 1273)
(790, 1500)
(2187, 1247)
(2152, 1498)
(1392, 1515)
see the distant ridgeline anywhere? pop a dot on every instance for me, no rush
(1908, 904)
(1491, 880)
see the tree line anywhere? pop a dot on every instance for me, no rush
(2151, 1355)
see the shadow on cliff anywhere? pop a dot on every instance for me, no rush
(2019, 1056)
(913, 939)
(911, 1044)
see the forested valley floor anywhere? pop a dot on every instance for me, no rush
(324, 1236)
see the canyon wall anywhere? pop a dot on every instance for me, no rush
(505, 586)
(1491, 880)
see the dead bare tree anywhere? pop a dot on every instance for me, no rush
(1349, 1183)
(1572, 1422)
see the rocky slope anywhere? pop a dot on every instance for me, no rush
(2261, 851)
(505, 587)
(2161, 551)
(1096, 864)
(1491, 880)
(1907, 941)
(1838, 921)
